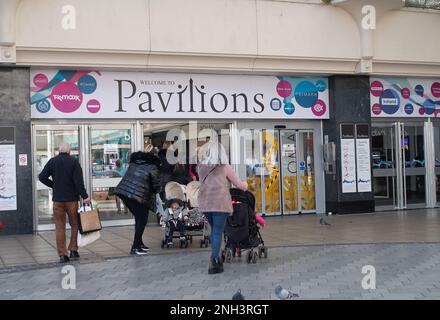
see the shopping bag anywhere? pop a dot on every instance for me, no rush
(87, 238)
(88, 219)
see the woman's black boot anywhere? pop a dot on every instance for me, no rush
(214, 266)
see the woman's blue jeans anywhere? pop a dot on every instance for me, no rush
(217, 221)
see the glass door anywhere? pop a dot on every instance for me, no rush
(46, 142)
(384, 165)
(280, 170)
(399, 167)
(289, 171)
(306, 169)
(110, 151)
(414, 170)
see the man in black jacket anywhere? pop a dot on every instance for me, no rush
(68, 185)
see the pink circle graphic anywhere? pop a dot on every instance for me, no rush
(435, 89)
(319, 108)
(405, 93)
(40, 80)
(66, 97)
(376, 88)
(421, 111)
(93, 106)
(284, 88)
(376, 109)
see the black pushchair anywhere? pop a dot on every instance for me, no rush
(242, 232)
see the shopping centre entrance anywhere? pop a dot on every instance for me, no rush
(405, 156)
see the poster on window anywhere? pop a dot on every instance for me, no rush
(348, 164)
(363, 165)
(8, 181)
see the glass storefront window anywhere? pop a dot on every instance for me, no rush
(110, 155)
(46, 145)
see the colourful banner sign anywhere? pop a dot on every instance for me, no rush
(96, 95)
(404, 97)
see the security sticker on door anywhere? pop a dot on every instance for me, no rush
(302, 165)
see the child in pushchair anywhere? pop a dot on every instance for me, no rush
(242, 231)
(183, 215)
(174, 217)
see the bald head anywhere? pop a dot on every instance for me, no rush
(64, 148)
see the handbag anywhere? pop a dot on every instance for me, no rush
(87, 238)
(88, 219)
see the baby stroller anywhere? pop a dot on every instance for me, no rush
(196, 224)
(242, 232)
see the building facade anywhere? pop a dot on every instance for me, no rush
(322, 107)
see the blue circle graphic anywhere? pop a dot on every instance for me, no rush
(429, 106)
(409, 109)
(389, 101)
(321, 85)
(306, 94)
(43, 106)
(289, 108)
(87, 84)
(275, 104)
(419, 90)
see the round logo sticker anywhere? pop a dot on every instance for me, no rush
(405, 93)
(40, 80)
(435, 89)
(419, 90)
(93, 106)
(319, 108)
(275, 104)
(389, 101)
(87, 84)
(409, 109)
(306, 94)
(66, 97)
(43, 106)
(376, 88)
(284, 88)
(376, 109)
(289, 108)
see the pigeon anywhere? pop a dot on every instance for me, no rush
(323, 222)
(238, 295)
(284, 294)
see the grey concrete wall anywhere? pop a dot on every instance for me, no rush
(15, 111)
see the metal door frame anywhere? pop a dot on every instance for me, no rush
(400, 192)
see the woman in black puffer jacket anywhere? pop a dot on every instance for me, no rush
(138, 189)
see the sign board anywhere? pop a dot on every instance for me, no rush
(348, 158)
(363, 161)
(22, 160)
(8, 173)
(404, 97)
(83, 94)
(111, 148)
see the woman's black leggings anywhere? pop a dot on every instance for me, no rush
(140, 213)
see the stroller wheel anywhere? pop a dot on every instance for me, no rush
(249, 256)
(186, 244)
(254, 257)
(223, 255)
(191, 239)
(162, 245)
(265, 252)
(260, 252)
(228, 255)
(206, 244)
(202, 242)
(239, 252)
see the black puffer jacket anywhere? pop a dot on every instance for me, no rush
(141, 182)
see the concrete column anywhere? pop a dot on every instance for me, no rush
(8, 11)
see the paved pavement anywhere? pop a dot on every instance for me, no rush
(403, 271)
(25, 251)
